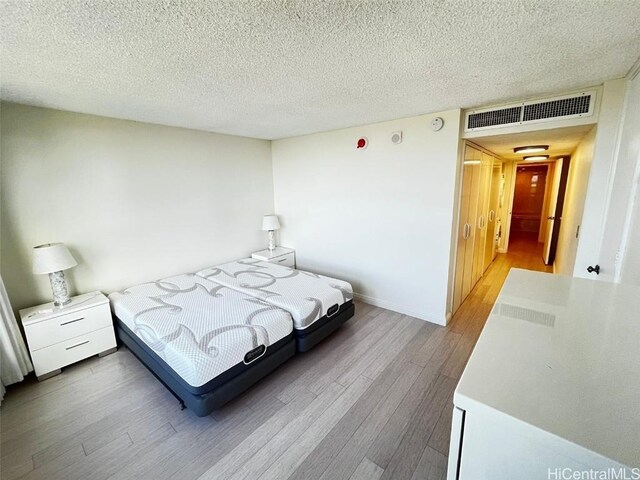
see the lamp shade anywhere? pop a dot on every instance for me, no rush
(52, 257)
(270, 222)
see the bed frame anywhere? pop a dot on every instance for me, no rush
(323, 327)
(214, 394)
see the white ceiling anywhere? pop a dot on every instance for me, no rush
(561, 141)
(273, 69)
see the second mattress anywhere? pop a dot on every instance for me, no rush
(306, 296)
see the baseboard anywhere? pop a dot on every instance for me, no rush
(376, 302)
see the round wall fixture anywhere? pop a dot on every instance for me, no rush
(362, 143)
(396, 137)
(437, 124)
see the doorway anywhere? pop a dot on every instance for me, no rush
(512, 200)
(527, 211)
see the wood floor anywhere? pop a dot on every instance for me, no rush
(374, 401)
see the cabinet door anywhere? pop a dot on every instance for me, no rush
(473, 163)
(455, 443)
(482, 213)
(462, 236)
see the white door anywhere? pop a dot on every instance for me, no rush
(551, 211)
(463, 235)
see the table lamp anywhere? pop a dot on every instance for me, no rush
(271, 224)
(53, 258)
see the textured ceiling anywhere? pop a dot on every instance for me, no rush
(561, 141)
(273, 69)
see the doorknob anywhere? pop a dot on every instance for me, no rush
(551, 218)
(596, 269)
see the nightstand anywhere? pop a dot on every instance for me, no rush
(58, 337)
(280, 255)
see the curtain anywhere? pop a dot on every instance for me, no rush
(14, 357)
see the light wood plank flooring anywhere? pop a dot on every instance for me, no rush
(374, 401)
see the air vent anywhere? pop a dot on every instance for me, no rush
(557, 108)
(504, 116)
(568, 106)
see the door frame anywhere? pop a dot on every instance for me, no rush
(513, 166)
(562, 193)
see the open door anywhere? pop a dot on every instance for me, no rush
(556, 202)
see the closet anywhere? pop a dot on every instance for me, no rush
(479, 224)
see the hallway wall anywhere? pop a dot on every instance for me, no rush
(599, 189)
(573, 208)
(618, 262)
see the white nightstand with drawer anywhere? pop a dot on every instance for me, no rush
(58, 337)
(280, 255)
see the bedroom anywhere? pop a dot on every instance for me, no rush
(152, 138)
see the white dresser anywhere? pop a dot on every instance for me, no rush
(553, 384)
(280, 255)
(58, 337)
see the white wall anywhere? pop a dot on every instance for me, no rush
(133, 201)
(380, 218)
(599, 190)
(573, 208)
(630, 268)
(616, 250)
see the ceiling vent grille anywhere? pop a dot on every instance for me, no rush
(567, 106)
(556, 108)
(495, 117)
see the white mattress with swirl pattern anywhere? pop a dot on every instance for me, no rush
(305, 295)
(198, 327)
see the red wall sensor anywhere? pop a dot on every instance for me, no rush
(362, 143)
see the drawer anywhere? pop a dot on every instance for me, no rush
(64, 327)
(287, 260)
(72, 350)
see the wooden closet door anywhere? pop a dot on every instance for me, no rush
(474, 161)
(481, 216)
(465, 197)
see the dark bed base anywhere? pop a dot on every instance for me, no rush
(203, 404)
(320, 329)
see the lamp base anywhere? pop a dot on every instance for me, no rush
(272, 239)
(59, 289)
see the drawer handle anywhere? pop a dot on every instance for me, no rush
(77, 345)
(282, 260)
(72, 321)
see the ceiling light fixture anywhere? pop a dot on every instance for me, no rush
(536, 158)
(531, 149)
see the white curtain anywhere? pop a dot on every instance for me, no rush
(14, 357)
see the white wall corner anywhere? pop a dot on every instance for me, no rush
(403, 309)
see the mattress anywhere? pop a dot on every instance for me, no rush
(306, 296)
(200, 328)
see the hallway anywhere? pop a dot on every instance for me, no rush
(524, 252)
